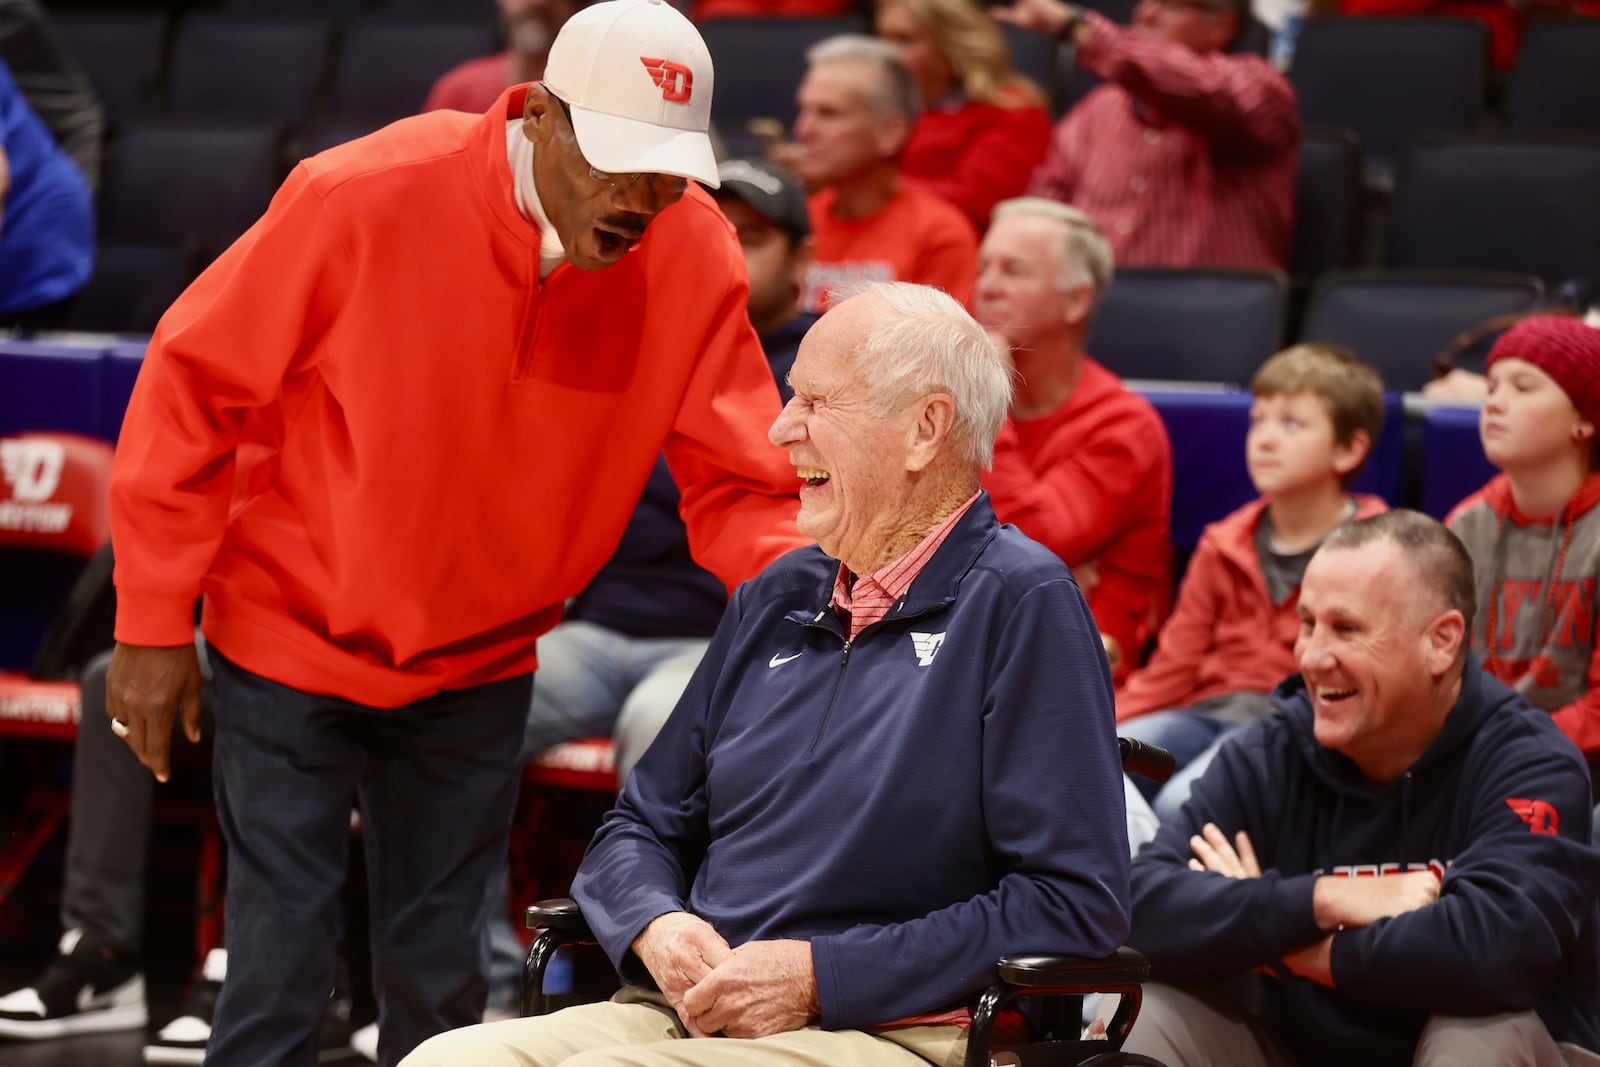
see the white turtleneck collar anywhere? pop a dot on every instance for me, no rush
(519, 150)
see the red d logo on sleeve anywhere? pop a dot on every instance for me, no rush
(1541, 816)
(675, 79)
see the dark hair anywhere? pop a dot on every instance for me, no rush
(1440, 559)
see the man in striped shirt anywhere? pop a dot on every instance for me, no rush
(1186, 155)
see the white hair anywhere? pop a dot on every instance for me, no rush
(1084, 254)
(895, 91)
(928, 343)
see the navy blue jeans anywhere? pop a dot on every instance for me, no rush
(436, 782)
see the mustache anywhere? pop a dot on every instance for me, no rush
(627, 225)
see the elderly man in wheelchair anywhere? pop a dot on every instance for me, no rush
(896, 764)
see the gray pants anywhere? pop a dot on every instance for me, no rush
(1188, 1027)
(637, 1029)
(103, 888)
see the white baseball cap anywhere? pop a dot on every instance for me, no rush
(637, 77)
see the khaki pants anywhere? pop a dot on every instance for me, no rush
(638, 1029)
(1190, 1027)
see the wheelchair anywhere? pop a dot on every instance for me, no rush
(1059, 983)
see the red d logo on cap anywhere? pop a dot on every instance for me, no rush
(675, 79)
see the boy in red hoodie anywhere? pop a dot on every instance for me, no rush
(1533, 532)
(1231, 636)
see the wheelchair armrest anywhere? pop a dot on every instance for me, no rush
(560, 924)
(560, 914)
(1074, 974)
(1061, 976)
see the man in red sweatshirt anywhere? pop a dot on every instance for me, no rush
(385, 436)
(1082, 465)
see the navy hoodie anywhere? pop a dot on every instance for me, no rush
(937, 792)
(1499, 804)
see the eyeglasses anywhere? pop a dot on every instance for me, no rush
(674, 183)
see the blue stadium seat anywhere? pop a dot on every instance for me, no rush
(1399, 321)
(759, 64)
(1033, 55)
(247, 69)
(1189, 325)
(50, 386)
(324, 135)
(1327, 201)
(1207, 428)
(1390, 78)
(122, 55)
(201, 182)
(387, 65)
(1555, 87)
(132, 285)
(1453, 464)
(1529, 205)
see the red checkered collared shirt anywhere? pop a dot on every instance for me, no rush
(874, 596)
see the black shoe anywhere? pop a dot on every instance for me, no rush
(86, 990)
(183, 1040)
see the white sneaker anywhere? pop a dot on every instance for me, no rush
(365, 1041)
(183, 1040)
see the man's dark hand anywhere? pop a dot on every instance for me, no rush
(145, 687)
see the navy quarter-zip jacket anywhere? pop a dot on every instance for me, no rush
(1498, 804)
(941, 791)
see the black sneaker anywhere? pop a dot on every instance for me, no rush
(85, 991)
(183, 1040)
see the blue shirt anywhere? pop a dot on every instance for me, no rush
(47, 216)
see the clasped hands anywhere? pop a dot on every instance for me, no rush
(757, 989)
(1338, 902)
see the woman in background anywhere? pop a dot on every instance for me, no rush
(983, 127)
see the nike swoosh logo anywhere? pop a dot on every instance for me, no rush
(778, 661)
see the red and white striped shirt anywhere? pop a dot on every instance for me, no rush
(874, 596)
(1183, 159)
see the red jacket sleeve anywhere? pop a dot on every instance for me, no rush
(1073, 507)
(221, 350)
(739, 494)
(1168, 680)
(1240, 104)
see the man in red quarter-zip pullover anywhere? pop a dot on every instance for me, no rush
(385, 436)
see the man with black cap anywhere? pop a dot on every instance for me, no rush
(767, 206)
(387, 434)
